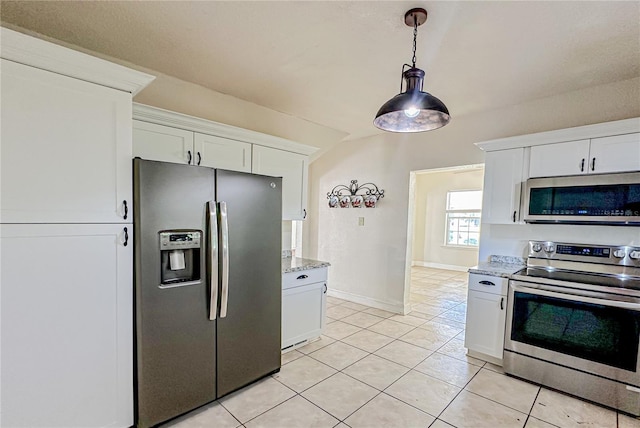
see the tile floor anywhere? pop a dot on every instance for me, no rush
(373, 368)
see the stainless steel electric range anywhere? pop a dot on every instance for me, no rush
(573, 322)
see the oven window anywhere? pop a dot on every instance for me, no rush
(598, 333)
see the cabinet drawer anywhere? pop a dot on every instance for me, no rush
(303, 277)
(488, 283)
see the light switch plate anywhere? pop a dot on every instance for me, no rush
(360, 221)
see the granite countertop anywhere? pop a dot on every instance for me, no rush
(295, 264)
(502, 266)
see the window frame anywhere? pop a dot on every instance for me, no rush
(448, 212)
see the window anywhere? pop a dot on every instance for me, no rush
(463, 218)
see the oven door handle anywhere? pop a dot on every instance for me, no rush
(577, 298)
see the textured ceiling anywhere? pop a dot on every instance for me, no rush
(335, 63)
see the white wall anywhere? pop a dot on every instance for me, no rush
(369, 262)
(429, 228)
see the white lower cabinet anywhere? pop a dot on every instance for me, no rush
(67, 335)
(303, 305)
(486, 315)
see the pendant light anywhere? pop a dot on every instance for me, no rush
(412, 110)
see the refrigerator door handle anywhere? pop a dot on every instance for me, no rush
(224, 233)
(212, 211)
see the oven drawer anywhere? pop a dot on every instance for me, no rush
(488, 284)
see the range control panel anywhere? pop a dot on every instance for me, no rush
(604, 254)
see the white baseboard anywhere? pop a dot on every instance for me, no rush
(440, 266)
(397, 308)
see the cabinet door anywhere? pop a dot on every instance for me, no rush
(162, 143)
(293, 169)
(67, 331)
(218, 152)
(619, 153)
(66, 149)
(502, 185)
(303, 310)
(486, 315)
(552, 160)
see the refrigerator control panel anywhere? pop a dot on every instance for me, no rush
(180, 240)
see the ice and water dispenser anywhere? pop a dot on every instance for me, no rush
(180, 256)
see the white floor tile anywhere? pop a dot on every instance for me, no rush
(391, 328)
(448, 369)
(368, 340)
(340, 395)
(388, 412)
(316, 344)
(403, 353)
(376, 371)
(472, 411)
(506, 390)
(339, 330)
(303, 373)
(294, 413)
(255, 399)
(339, 355)
(361, 319)
(565, 411)
(207, 416)
(424, 392)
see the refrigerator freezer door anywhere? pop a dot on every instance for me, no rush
(248, 337)
(175, 340)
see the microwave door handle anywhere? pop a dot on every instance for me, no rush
(577, 298)
(212, 258)
(224, 243)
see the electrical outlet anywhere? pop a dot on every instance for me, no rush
(360, 221)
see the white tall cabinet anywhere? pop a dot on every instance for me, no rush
(65, 237)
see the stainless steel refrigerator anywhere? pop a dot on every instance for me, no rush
(207, 284)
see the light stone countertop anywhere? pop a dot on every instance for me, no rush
(296, 264)
(502, 266)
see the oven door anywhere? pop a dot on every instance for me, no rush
(594, 332)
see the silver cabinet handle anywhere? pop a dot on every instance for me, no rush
(212, 256)
(224, 233)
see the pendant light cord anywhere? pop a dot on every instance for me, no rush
(415, 35)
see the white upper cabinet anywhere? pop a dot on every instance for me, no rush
(162, 143)
(168, 144)
(619, 153)
(552, 160)
(66, 149)
(218, 152)
(292, 167)
(67, 325)
(503, 176)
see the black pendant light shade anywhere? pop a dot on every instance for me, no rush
(412, 110)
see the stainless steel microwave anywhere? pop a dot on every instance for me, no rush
(612, 199)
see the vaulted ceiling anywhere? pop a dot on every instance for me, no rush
(335, 63)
